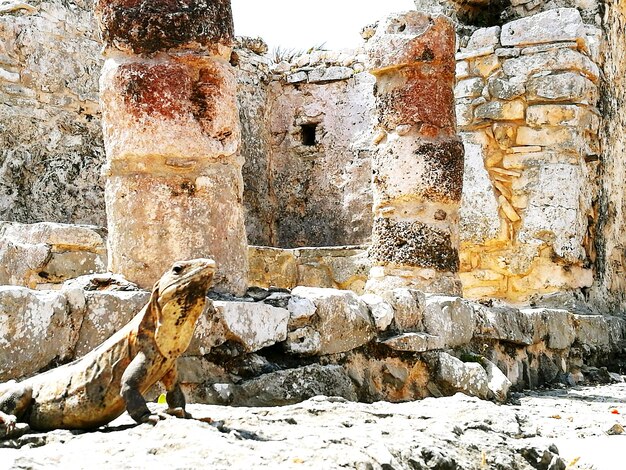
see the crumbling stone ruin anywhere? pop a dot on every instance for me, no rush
(440, 210)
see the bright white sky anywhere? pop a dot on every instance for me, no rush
(302, 24)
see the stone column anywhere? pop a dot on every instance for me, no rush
(171, 130)
(418, 160)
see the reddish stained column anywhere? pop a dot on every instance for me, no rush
(171, 127)
(417, 168)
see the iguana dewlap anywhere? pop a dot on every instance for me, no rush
(98, 387)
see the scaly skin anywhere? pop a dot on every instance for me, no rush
(98, 387)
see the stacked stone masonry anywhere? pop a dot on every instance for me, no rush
(277, 347)
(51, 149)
(417, 165)
(531, 81)
(526, 97)
(173, 177)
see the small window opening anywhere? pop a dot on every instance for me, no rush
(309, 137)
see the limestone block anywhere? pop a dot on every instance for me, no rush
(547, 277)
(387, 278)
(462, 69)
(473, 54)
(479, 219)
(555, 216)
(338, 267)
(164, 116)
(552, 326)
(297, 77)
(554, 61)
(62, 237)
(156, 220)
(409, 37)
(507, 52)
(105, 312)
(593, 331)
(560, 24)
(290, 386)
(451, 319)
(142, 29)
(499, 384)
(561, 114)
(411, 56)
(300, 311)
(617, 330)
(469, 88)
(304, 341)
(484, 37)
(381, 311)
(100, 282)
(414, 244)
(414, 98)
(253, 325)
(453, 375)
(486, 65)
(505, 134)
(198, 370)
(563, 138)
(272, 267)
(434, 172)
(21, 264)
(567, 86)
(535, 157)
(483, 283)
(414, 342)
(37, 329)
(327, 74)
(501, 110)
(550, 47)
(342, 321)
(506, 324)
(35, 254)
(408, 308)
(506, 89)
(464, 112)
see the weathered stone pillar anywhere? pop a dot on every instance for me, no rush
(418, 162)
(171, 130)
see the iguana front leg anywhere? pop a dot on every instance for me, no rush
(131, 380)
(15, 401)
(174, 396)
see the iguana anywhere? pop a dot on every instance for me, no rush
(98, 387)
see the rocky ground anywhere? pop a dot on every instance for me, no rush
(575, 428)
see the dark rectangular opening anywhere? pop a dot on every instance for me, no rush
(308, 134)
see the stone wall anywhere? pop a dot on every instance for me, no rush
(609, 291)
(309, 184)
(526, 103)
(276, 350)
(50, 134)
(482, 13)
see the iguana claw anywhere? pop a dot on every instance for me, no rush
(178, 413)
(9, 422)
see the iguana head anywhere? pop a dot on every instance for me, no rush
(185, 280)
(178, 299)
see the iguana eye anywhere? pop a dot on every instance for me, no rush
(177, 269)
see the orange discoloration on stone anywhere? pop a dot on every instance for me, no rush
(206, 91)
(434, 46)
(428, 100)
(159, 89)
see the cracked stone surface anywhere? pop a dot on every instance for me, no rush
(574, 428)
